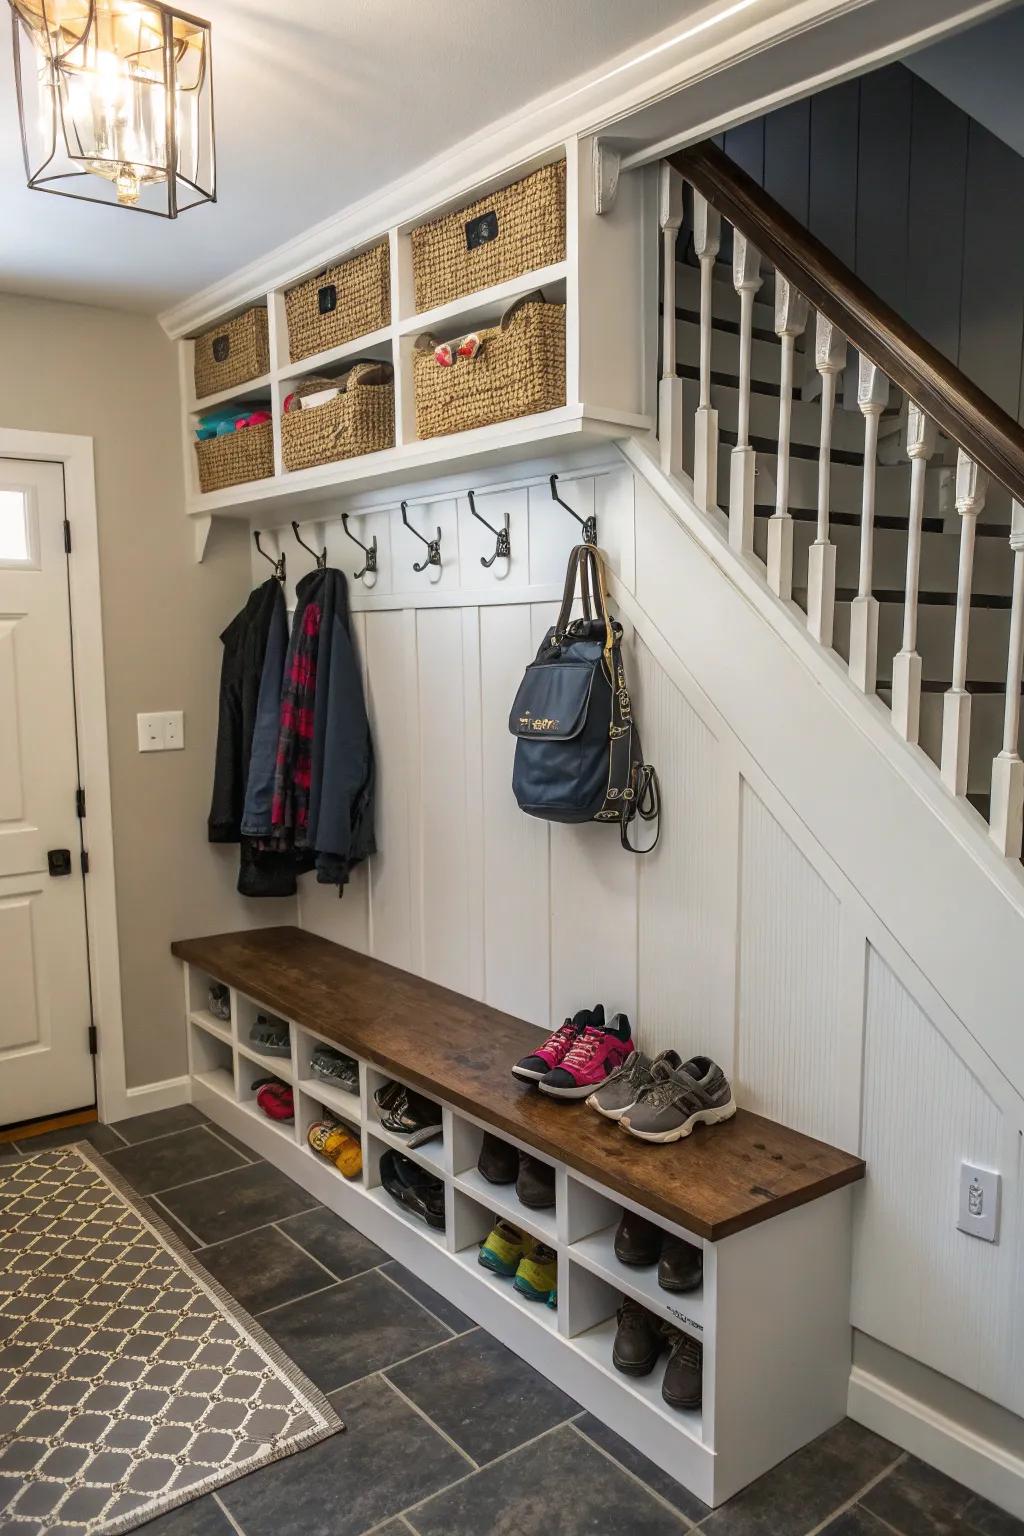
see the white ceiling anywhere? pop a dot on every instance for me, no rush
(318, 103)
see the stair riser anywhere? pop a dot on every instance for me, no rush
(846, 486)
(940, 556)
(847, 429)
(986, 655)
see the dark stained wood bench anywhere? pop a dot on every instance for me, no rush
(716, 1182)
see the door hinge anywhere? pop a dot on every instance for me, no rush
(67, 537)
(80, 803)
(93, 1040)
(85, 862)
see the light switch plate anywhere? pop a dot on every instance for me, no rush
(978, 1213)
(162, 732)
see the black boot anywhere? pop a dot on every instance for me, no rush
(639, 1341)
(682, 1265)
(498, 1162)
(637, 1240)
(535, 1184)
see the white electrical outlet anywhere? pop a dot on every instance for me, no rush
(978, 1214)
(164, 732)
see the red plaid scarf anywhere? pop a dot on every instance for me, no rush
(290, 809)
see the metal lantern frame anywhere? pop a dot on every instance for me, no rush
(170, 175)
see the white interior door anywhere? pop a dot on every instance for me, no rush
(45, 1061)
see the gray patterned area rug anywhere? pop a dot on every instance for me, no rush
(129, 1381)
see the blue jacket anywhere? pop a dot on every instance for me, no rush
(341, 797)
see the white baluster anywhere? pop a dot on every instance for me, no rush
(790, 319)
(830, 360)
(872, 398)
(906, 664)
(707, 238)
(1006, 814)
(971, 485)
(746, 278)
(670, 388)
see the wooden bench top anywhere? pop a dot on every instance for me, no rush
(718, 1181)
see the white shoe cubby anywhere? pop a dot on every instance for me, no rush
(772, 1312)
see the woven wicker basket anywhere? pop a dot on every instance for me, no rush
(519, 369)
(348, 300)
(232, 353)
(360, 420)
(239, 456)
(515, 230)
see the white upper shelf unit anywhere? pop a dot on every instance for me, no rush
(606, 281)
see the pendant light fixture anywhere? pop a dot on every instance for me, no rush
(116, 102)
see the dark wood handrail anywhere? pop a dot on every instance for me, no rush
(962, 410)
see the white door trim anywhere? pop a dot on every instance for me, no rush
(76, 456)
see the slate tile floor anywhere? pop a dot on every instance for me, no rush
(449, 1434)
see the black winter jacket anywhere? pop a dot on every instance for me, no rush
(245, 644)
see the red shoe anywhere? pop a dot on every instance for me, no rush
(275, 1099)
(598, 1052)
(557, 1046)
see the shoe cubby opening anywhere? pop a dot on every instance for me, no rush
(590, 1307)
(328, 1081)
(534, 1176)
(375, 1151)
(208, 1000)
(665, 1259)
(250, 1016)
(310, 1111)
(471, 1222)
(251, 1077)
(211, 1061)
(389, 1104)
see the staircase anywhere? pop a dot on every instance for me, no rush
(893, 531)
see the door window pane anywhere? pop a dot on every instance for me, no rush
(14, 546)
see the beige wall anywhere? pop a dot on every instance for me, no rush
(112, 376)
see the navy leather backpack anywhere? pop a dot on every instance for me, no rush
(578, 753)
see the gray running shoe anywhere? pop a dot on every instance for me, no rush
(618, 1093)
(676, 1101)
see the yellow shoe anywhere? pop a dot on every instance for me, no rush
(502, 1249)
(334, 1143)
(537, 1275)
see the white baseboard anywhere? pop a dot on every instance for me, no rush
(148, 1097)
(951, 1446)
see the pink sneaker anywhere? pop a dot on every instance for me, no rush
(557, 1046)
(593, 1056)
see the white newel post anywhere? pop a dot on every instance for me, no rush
(971, 485)
(746, 278)
(707, 238)
(790, 319)
(872, 398)
(906, 665)
(1006, 815)
(670, 388)
(830, 360)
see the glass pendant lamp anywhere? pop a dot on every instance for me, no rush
(116, 102)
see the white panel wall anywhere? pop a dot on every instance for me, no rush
(789, 1015)
(920, 1284)
(738, 937)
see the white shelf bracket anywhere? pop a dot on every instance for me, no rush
(607, 165)
(201, 526)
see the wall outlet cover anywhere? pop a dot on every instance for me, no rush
(978, 1214)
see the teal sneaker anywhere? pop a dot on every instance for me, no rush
(537, 1275)
(502, 1250)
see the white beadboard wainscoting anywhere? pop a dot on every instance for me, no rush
(761, 931)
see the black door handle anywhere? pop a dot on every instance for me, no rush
(59, 861)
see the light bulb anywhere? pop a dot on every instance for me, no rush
(127, 184)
